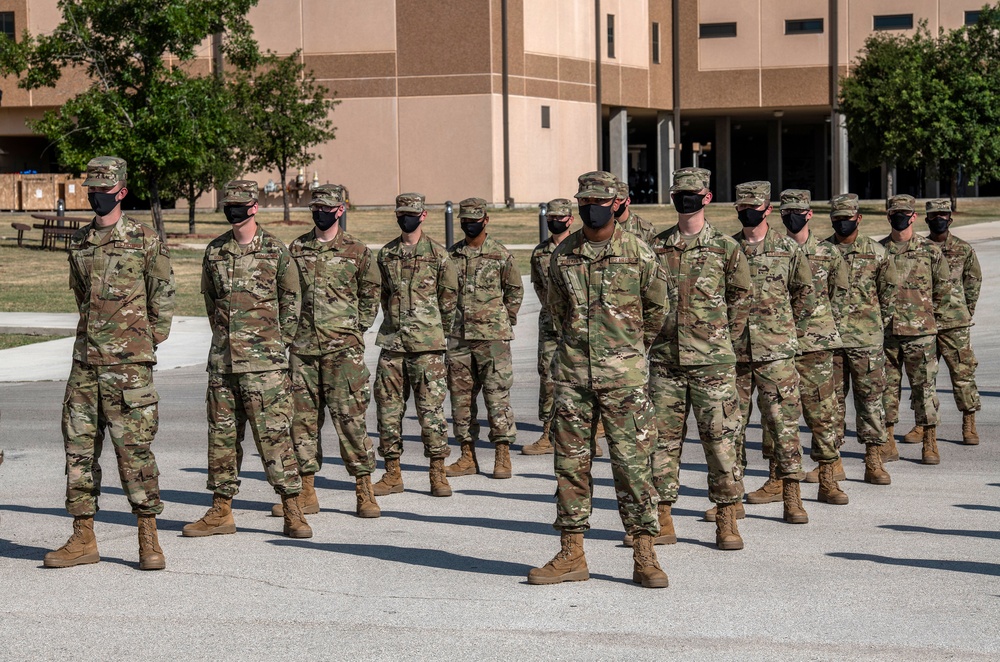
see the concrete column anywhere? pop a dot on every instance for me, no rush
(722, 191)
(839, 173)
(774, 161)
(618, 151)
(667, 158)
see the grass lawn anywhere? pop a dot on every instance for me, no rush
(8, 340)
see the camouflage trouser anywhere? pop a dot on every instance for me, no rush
(337, 381)
(711, 391)
(546, 388)
(481, 365)
(955, 347)
(917, 355)
(819, 407)
(628, 424)
(861, 370)
(264, 399)
(426, 374)
(121, 399)
(778, 382)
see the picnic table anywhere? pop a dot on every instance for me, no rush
(56, 228)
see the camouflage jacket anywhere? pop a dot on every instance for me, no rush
(419, 296)
(966, 281)
(709, 293)
(830, 285)
(782, 298)
(489, 291)
(540, 280)
(639, 226)
(924, 290)
(340, 292)
(608, 306)
(252, 299)
(124, 290)
(871, 297)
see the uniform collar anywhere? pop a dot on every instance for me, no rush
(117, 232)
(232, 246)
(313, 243)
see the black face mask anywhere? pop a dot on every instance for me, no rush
(688, 203)
(595, 217)
(938, 224)
(324, 220)
(621, 210)
(408, 222)
(236, 214)
(844, 227)
(472, 229)
(102, 203)
(899, 220)
(794, 221)
(557, 227)
(750, 218)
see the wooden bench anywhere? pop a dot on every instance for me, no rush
(57, 228)
(21, 229)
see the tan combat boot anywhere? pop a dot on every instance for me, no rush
(890, 452)
(391, 481)
(150, 554)
(667, 534)
(439, 483)
(367, 506)
(829, 491)
(712, 513)
(795, 512)
(914, 436)
(467, 464)
(296, 525)
(80, 549)
(929, 454)
(307, 498)
(969, 435)
(875, 472)
(541, 447)
(501, 462)
(646, 569)
(770, 491)
(838, 473)
(218, 519)
(568, 565)
(727, 535)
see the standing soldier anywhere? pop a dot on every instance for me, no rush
(340, 293)
(608, 299)
(628, 219)
(859, 364)
(911, 337)
(781, 303)
(693, 363)
(124, 287)
(419, 297)
(953, 339)
(251, 289)
(814, 359)
(478, 358)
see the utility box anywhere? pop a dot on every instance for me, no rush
(10, 192)
(38, 192)
(74, 193)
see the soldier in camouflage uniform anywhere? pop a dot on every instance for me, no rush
(478, 358)
(859, 364)
(419, 300)
(924, 295)
(692, 359)
(251, 289)
(782, 300)
(121, 278)
(339, 281)
(814, 359)
(608, 298)
(628, 219)
(954, 343)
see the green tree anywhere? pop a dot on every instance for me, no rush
(284, 114)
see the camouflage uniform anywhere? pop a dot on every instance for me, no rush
(419, 299)
(692, 359)
(252, 300)
(634, 223)
(910, 337)
(608, 303)
(478, 358)
(124, 289)
(340, 295)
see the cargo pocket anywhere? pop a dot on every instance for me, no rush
(142, 410)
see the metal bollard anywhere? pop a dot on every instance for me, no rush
(543, 226)
(342, 221)
(449, 224)
(60, 209)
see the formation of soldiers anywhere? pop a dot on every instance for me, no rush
(636, 330)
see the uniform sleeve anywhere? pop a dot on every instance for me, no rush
(75, 281)
(447, 293)
(655, 305)
(369, 288)
(887, 283)
(386, 288)
(208, 291)
(838, 284)
(738, 293)
(537, 277)
(160, 290)
(557, 299)
(941, 285)
(801, 291)
(513, 289)
(972, 280)
(289, 299)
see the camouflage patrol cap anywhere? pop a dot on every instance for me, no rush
(753, 193)
(559, 207)
(940, 206)
(901, 203)
(472, 208)
(240, 192)
(328, 195)
(105, 171)
(845, 206)
(598, 184)
(622, 190)
(691, 179)
(410, 202)
(795, 198)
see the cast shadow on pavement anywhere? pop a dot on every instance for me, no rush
(517, 526)
(972, 567)
(977, 506)
(989, 535)
(12, 550)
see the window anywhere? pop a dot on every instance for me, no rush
(894, 22)
(611, 35)
(713, 30)
(656, 43)
(7, 23)
(804, 26)
(972, 17)
(546, 120)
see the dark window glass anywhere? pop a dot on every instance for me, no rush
(804, 26)
(971, 17)
(7, 23)
(656, 43)
(611, 35)
(546, 121)
(893, 22)
(712, 30)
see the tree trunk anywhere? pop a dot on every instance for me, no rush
(156, 208)
(192, 196)
(282, 170)
(954, 191)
